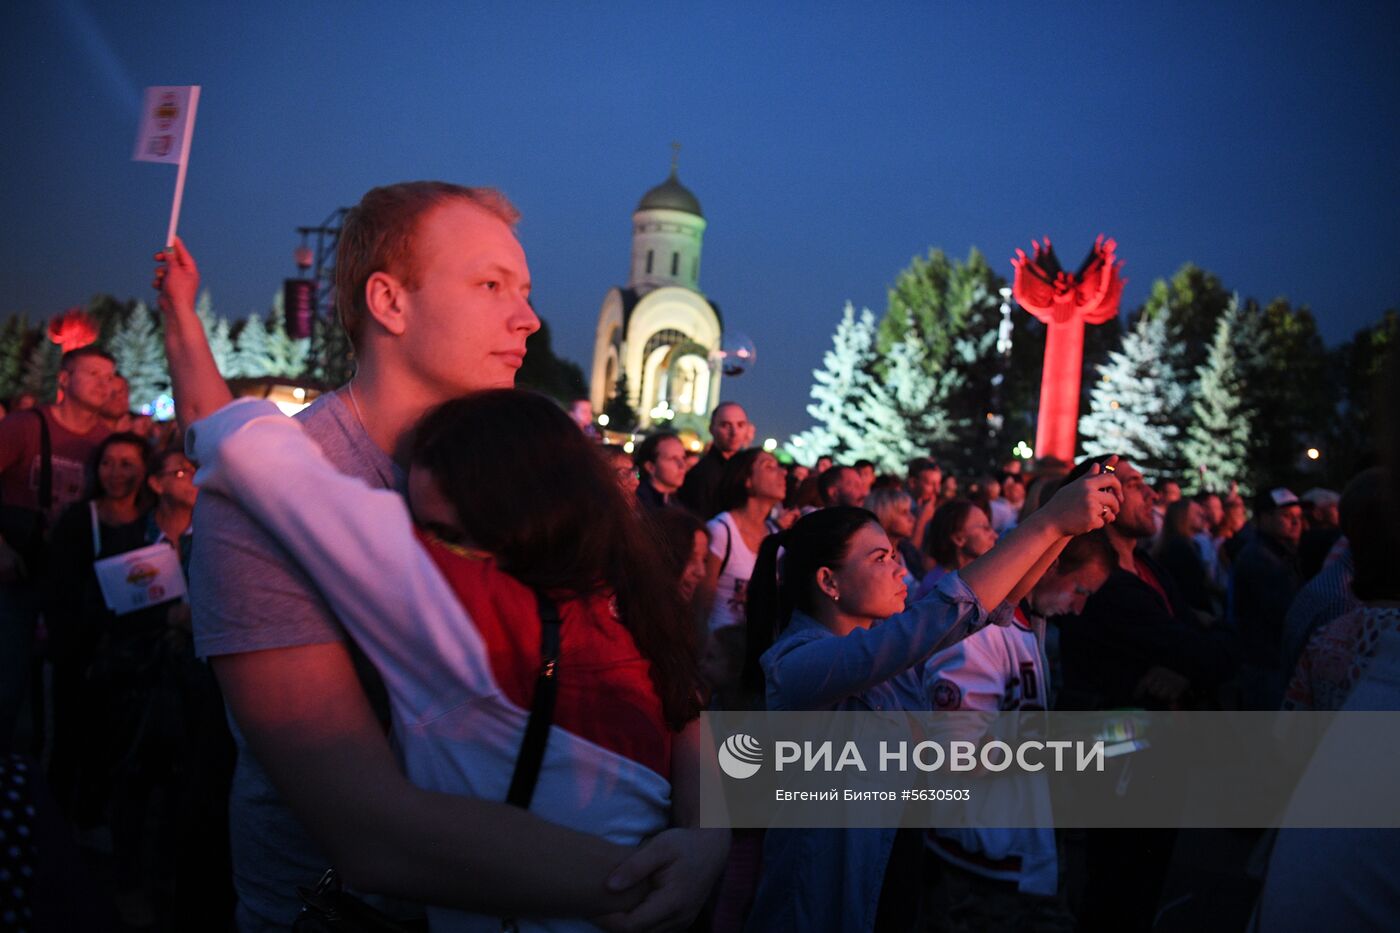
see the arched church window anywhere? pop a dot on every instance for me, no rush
(651, 254)
(664, 338)
(675, 263)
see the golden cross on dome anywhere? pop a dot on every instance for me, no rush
(675, 156)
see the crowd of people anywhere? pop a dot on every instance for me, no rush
(442, 638)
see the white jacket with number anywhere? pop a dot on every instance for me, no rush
(997, 669)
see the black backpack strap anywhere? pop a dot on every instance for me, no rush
(728, 543)
(527, 765)
(45, 464)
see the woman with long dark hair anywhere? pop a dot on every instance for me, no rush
(751, 486)
(517, 512)
(827, 630)
(752, 483)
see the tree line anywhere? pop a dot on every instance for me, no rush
(1202, 385)
(255, 347)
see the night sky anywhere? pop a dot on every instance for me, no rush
(827, 143)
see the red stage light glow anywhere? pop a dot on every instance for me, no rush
(72, 329)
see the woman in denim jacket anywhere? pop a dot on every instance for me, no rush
(816, 642)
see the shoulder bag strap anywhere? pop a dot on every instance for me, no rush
(527, 765)
(96, 529)
(45, 464)
(728, 543)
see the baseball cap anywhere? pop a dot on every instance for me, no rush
(1277, 498)
(1319, 496)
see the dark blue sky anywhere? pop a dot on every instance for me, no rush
(827, 143)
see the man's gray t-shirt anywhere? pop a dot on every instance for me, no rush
(249, 594)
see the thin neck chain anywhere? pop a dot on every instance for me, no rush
(355, 404)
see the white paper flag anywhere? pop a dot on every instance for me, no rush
(140, 578)
(167, 120)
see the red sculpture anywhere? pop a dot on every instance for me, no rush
(72, 329)
(1065, 303)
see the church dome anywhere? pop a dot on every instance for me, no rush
(671, 195)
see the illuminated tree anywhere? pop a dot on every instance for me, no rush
(840, 391)
(902, 415)
(954, 308)
(251, 355)
(286, 354)
(1195, 299)
(331, 358)
(216, 332)
(1136, 403)
(140, 354)
(1216, 444)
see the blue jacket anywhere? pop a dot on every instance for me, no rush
(830, 879)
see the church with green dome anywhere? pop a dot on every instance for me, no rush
(659, 329)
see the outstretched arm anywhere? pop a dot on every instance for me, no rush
(195, 381)
(1032, 577)
(824, 671)
(1088, 503)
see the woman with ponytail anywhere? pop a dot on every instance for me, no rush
(827, 630)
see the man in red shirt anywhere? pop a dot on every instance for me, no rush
(33, 490)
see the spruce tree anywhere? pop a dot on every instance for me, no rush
(1134, 405)
(840, 390)
(286, 354)
(902, 415)
(621, 415)
(40, 376)
(250, 349)
(1358, 371)
(1194, 299)
(1216, 444)
(216, 332)
(13, 335)
(331, 358)
(954, 309)
(109, 313)
(140, 355)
